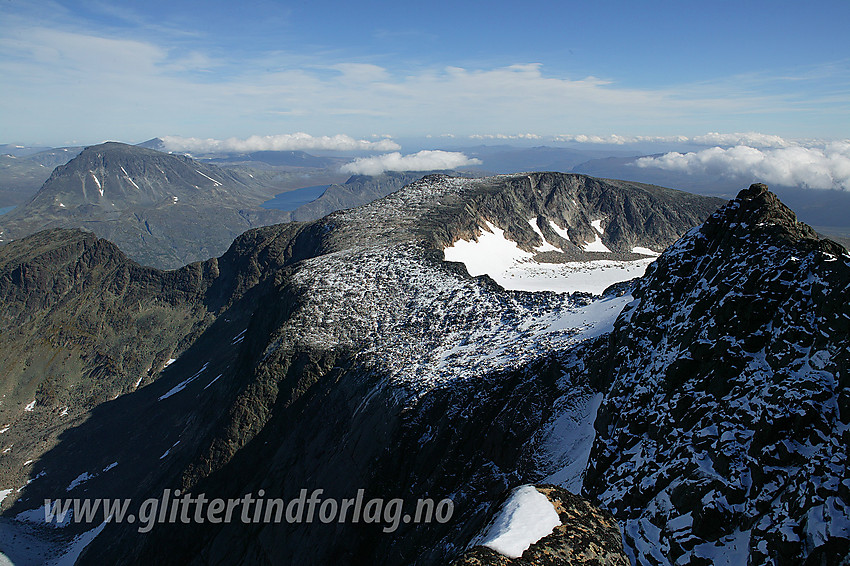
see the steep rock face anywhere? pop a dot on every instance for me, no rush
(724, 429)
(162, 210)
(629, 214)
(72, 307)
(335, 346)
(93, 325)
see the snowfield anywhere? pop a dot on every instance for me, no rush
(515, 269)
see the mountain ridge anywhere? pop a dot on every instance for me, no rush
(355, 329)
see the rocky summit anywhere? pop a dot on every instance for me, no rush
(723, 433)
(697, 414)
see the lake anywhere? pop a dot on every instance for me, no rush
(290, 200)
(4, 210)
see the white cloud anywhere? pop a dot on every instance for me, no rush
(108, 81)
(281, 142)
(615, 139)
(750, 139)
(110, 78)
(425, 160)
(360, 72)
(825, 167)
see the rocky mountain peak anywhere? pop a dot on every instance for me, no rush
(755, 222)
(728, 371)
(759, 205)
(759, 212)
(157, 207)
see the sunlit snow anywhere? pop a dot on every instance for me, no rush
(525, 518)
(217, 184)
(645, 251)
(546, 246)
(514, 269)
(560, 231)
(97, 182)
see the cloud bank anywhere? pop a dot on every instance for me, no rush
(615, 139)
(749, 139)
(826, 167)
(425, 160)
(298, 141)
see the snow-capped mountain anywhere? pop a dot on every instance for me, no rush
(163, 210)
(347, 354)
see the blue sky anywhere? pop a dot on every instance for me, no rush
(84, 72)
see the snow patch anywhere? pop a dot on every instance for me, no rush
(731, 550)
(239, 337)
(645, 251)
(584, 276)
(568, 439)
(546, 246)
(525, 518)
(182, 385)
(514, 269)
(97, 182)
(217, 184)
(127, 176)
(45, 515)
(76, 547)
(82, 478)
(30, 407)
(167, 452)
(562, 232)
(493, 253)
(596, 245)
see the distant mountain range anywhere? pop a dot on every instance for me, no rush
(167, 210)
(23, 172)
(164, 210)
